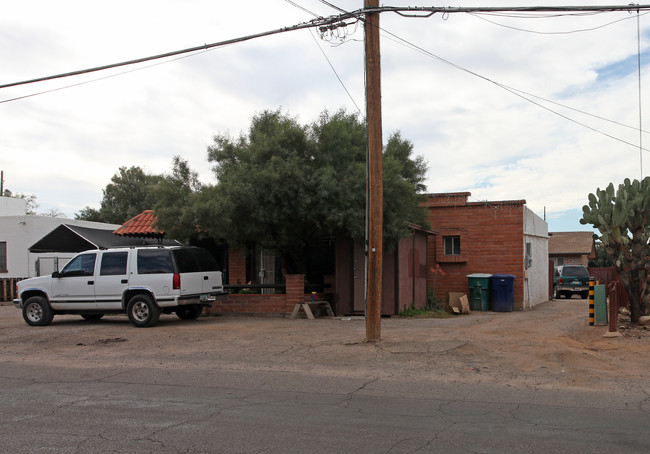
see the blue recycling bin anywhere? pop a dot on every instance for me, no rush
(503, 292)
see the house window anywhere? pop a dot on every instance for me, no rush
(452, 245)
(3, 256)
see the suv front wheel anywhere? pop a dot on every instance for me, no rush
(37, 311)
(142, 311)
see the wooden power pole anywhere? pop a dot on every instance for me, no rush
(374, 183)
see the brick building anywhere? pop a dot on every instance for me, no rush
(571, 248)
(487, 237)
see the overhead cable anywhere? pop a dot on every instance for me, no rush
(320, 22)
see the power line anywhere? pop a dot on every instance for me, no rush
(334, 22)
(340, 20)
(314, 23)
(335, 72)
(300, 7)
(480, 16)
(519, 93)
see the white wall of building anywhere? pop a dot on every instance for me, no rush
(536, 283)
(11, 206)
(20, 231)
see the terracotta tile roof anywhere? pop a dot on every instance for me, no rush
(571, 243)
(141, 226)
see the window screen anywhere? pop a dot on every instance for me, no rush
(452, 245)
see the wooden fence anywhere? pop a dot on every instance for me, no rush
(8, 288)
(607, 275)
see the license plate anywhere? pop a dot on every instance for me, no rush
(575, 283)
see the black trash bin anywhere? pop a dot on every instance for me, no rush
(503, 292)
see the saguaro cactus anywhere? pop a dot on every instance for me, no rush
(622, 217)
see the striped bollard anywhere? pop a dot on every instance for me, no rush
(592, 311)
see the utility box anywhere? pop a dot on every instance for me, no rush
(600, 305)
(479, 291)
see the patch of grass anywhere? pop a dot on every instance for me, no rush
(427, 312)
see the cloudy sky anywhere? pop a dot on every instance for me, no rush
(573, 127)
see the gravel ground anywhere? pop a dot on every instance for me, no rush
(551, 346)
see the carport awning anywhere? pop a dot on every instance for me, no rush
(73, 238)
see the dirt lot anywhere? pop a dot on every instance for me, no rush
(551, 346)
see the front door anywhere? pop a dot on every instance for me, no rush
(74, 288)
(267, 275)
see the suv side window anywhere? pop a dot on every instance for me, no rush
(194, 260)
(81, 265)
(154, 261)
(113, 264)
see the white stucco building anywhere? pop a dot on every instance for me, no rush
(19, 231)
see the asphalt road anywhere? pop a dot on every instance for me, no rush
(50, 409)
(229, 385)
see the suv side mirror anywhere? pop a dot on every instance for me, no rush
(56, 274)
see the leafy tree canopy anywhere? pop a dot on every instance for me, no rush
(282, 185)
(128, 194)
(176, 201)
(602, 258)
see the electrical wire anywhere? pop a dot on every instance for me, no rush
(104, 77)
(638, 56)
(337, 19)
(340, 10)
(300, 26)
(480, 16)
(300, 7)
(335, 72)
(506, 88)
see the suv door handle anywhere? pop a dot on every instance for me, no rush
(124, 281)
(205, 278)
(91, 282)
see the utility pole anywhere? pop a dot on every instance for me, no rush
(375, 179)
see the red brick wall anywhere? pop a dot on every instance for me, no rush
(236, 266)
(492, 242)
(250, 304)
(257, 304)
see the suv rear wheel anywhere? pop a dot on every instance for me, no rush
(142, 311)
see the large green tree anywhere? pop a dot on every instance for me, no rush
(176, 202)
(128, 194)
(282, 185)
(622, 217)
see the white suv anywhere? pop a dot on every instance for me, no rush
(143, 282)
